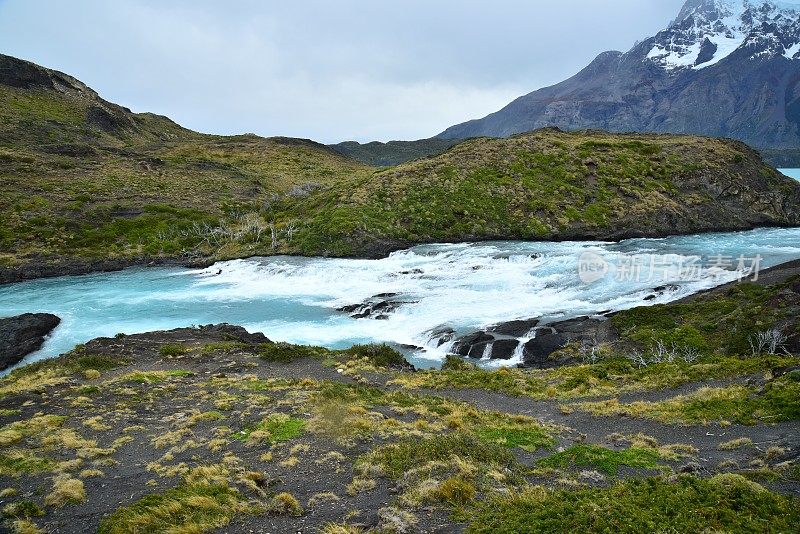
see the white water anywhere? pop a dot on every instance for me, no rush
(464, 286)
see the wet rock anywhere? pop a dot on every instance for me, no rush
(503, 349)
(552, 337)
(661, 290)
(536, 351)
(478, 350)
(23, 334)
(519, 328)
(465, 345)
(442, 335)
(377, 307)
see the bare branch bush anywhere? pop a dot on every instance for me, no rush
(770, 341)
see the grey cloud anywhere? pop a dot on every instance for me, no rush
(352, 69)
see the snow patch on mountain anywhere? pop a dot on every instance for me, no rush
(708, 31)
(792, 52)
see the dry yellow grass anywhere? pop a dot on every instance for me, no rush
(65, 490)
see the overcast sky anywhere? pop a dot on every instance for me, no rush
(323, 69)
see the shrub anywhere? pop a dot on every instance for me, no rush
(286, 352)
(379, 355)
(171, 350)
(601, 458)
(456, 491)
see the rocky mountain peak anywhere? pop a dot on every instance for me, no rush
(707, 31)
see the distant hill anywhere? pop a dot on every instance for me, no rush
(393, 152)
(722, 68)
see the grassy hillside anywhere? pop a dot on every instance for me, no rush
(86, 179)
(88, 185)
(550, 184)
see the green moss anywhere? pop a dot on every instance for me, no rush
(779, 400)
(224, 346)
(723, 323)
(286, 352)
(173, 349)
(22, 510)
(155, 377)
(606, 460)
(278, 426)
(651, 505)
(380, 355)
(15, 463)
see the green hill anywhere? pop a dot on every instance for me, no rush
(394, 152)
(551, 185)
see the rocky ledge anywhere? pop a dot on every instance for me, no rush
(539, 343)
(23, 334)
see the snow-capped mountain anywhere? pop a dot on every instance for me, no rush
(723, 68)
(707, 32)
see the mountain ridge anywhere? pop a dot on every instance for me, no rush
(750, 93)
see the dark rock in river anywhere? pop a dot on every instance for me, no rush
(442, 335)
(661, 290)
(515, 328)
(503, 349)
(23, 334)
(472, 344)
(376, 307)
(537, 352)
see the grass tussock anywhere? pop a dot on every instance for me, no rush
(203, 502)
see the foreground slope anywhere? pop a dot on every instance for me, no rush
(724, 68)
(214, 429)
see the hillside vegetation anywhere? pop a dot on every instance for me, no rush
(90, 185)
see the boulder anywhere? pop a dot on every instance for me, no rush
(555, 336)
(503, 349)
(536, 351)
(465, 345)
(23, 334)
(519, 328)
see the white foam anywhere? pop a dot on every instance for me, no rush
(465, 287)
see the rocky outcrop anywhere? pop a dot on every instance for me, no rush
(538, 342)
(23, 334)
(377, 307)
(554, 336)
